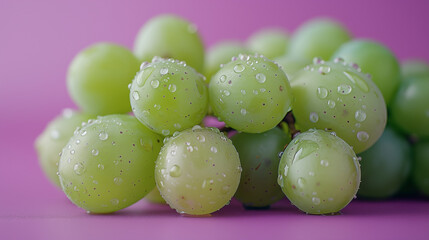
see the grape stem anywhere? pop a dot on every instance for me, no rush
(290, 120)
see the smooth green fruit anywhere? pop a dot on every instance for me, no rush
(410, 108)
(292, 64)
(319, 37)
(270, 42)
(155, 197)
(221, 53)
(421, 168)
(52, 140)
(98, 77)
(250, 94)
(109, 163)
(414, 68)
(168, 96)
(170, 36)
(336, 96)
(319, 172)
(385, 166)
(198, 171)
(377, 60)
(259, 157)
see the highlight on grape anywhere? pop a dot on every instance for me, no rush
(304, 118)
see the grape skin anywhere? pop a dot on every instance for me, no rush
(319, 172)
(98, 77)
(270, 42)
(170, 36)
(198, 171)
(338, 97)
(168, 96)
(421, 168)
(109, 163)
(53, 139)
(259, 157)
(250, 94)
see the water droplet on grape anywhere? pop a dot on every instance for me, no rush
(226, 93)
(324, 70)
(103, 136)
(118, 180)
(362, 136)
(83, 133)
(322, 93)
(314, 117)
(331, 103)
(243, 111)
(79, 168)
(201, 138)
(357, 80)
(338, 60)
(344, 89)
(154, 83)
(100, 166)
(114, 201)
(311, 173)
(301, 182)
(165, 132)
(260, 77)
(239, 68)
(94, 152)
(324, 163)
(318, 60)
(163, 71)
(213, 149)
(280, 180)
(243, 91)
(177, 125)
(72, 151)
(172, 87)
(286, 170)
(157, 106)
(360, 115)
(143, 65)
(222, 78)
(315, 200)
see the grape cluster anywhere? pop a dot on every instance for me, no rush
(296, 110)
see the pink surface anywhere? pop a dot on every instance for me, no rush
(38, 39)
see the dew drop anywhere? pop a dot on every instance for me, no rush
(163, 71)
(301, 182)
(165, 132)
(314, 117)
(94, 152)
(83, 133)
(100, 166)
(201, 138)
(79, 168)
(225, 189)
(222, 78)
(175, 171)
(226, 93)
(143, 65)
(213, 149)
(154, 83)
(344, 89)
(311, 173)
(243, 111)
(177, 125)
(244, 92)
(118, 180)
(239, 68)
(318, 60)
(260, 77)
(324, 163)
(280, 180)
(331, 103)
(322, 93)
(360, 115)
(172, 87)
(72, 151)
(286, 170)
(315, 200)
(324, 70)
(114, 201)
(157, 106)
(362, 136)
(103, 136)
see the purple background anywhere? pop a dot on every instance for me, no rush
(38, 39)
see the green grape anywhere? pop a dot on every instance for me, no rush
(291, 64)
(170, 36)
(375, 59)
(221, 53)
(198, 171)
(109, 163)
(155, 197)
(250, 94)
(410, 107)
(318, 37)
(270, 42)
(414, 68)
(52, 140)
(98, 77)
(338, 97)
(168, 96)
(319, 172)
(421, 168)
(259, 157)
(385, 166)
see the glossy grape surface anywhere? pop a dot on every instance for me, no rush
(414, 68)
(385, 166)
(270, 42)
(375, 59)
(168, 96)
(292, 64)
(338, 97)
(109, 163)
(98, 77)
(250, 94)
(198, 171)
(170, 36)
(259, 157)
(52, 140)
(421, 168)
(319, 172)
